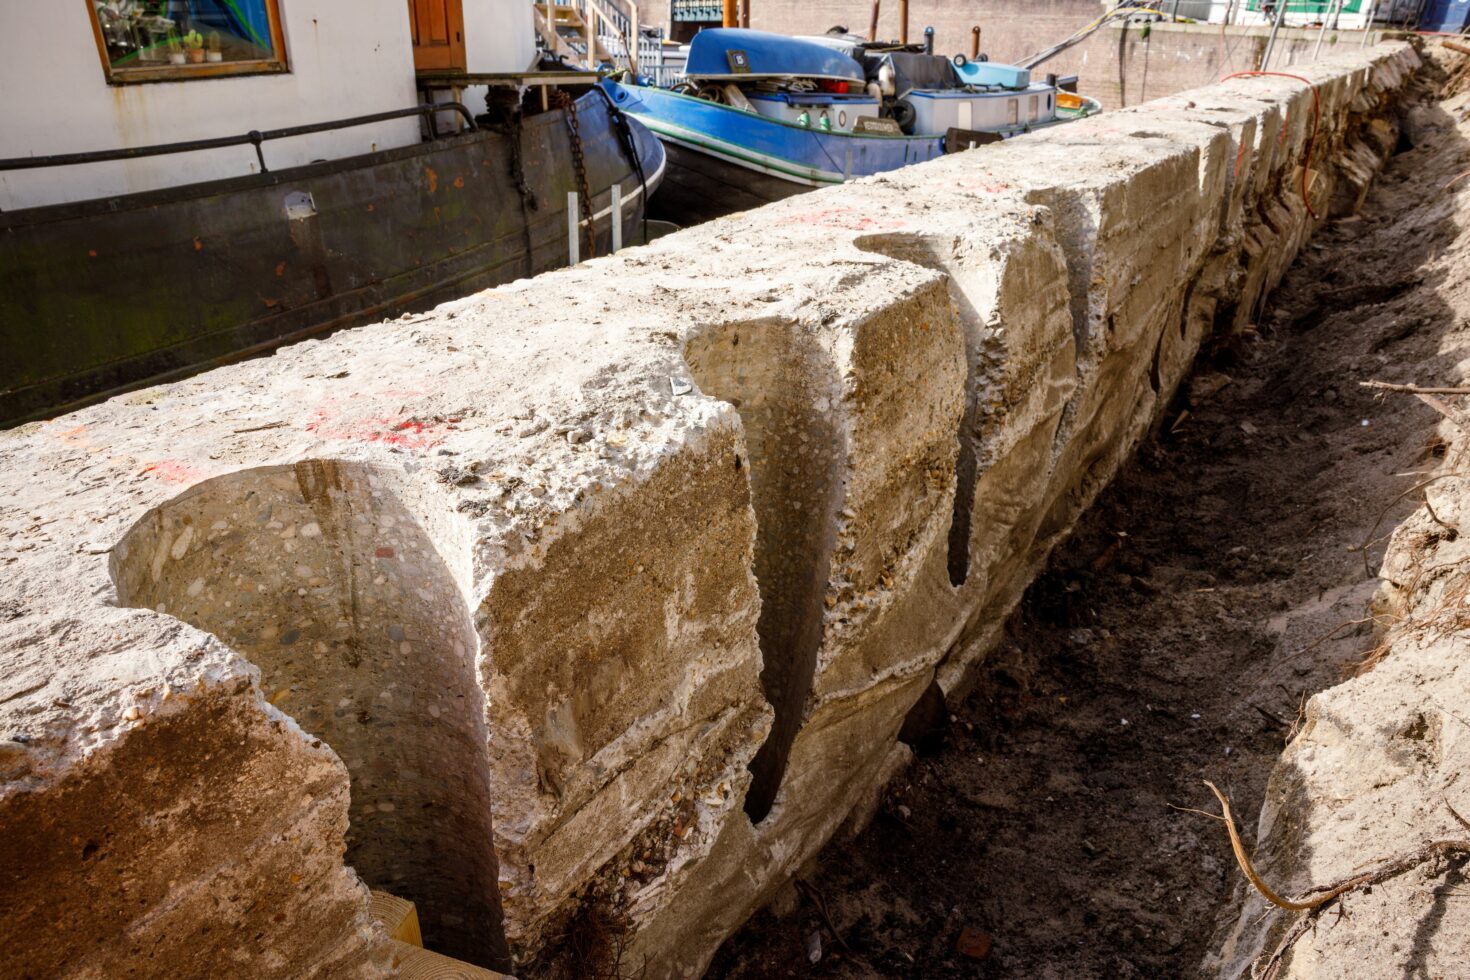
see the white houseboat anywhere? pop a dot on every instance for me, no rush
(187, 181)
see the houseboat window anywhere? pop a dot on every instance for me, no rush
(1035, 107)
(170, 40)
(1013, 110)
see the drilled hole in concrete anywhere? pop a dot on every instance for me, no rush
(322, 578)
(787, 390)
(1076, 224)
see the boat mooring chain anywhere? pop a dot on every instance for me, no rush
(518, 177)
(567, 103)
(518, 165)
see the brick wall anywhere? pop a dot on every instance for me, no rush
(1121, 65)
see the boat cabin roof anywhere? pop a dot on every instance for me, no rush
(737, 54)
(993, 73)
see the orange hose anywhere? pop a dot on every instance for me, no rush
(1316, 121)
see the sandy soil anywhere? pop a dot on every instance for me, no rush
(1218, 584)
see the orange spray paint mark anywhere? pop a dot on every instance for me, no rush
(173, 471)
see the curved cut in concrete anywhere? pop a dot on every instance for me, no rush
(322, 578)
(786, 387)
(651, 543)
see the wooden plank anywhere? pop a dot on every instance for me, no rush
(414, 963)
(398, 915)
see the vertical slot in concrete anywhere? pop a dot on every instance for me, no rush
(786, 388)
(322, 577)
(922, 252)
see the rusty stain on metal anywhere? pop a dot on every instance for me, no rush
(433, 179)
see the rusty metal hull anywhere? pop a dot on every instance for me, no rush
(103, 295)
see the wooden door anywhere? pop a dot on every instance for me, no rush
(438, 34)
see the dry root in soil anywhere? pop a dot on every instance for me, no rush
(1316, 900)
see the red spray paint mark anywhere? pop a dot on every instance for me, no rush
(355, 421)
(850, 219)
(979, 184)
(383, 553)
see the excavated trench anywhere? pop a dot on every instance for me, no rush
(1045, 829)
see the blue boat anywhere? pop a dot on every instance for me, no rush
(762, 116)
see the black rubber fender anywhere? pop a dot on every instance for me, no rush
(904, 114)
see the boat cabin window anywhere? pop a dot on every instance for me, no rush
(175, 40)
(1035, 107)
(1013, 111)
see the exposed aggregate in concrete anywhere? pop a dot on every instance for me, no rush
(592, 491)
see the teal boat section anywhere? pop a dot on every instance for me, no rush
(802, 154)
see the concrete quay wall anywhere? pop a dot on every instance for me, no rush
(594, 604)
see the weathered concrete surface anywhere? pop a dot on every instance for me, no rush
(578, 546)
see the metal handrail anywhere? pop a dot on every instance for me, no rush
(255, 137)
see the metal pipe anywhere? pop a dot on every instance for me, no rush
(1174, 14)
(1368, 24)
(637, 40)
(903, 21)
(1326, 19)
(1271, 38)
(975, 43)
(590, 29)
(928, 40)
(873, 24)
(744, 13)
(256, 137)
(731, 14)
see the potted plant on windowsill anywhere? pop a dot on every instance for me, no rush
(175, 50)
(194, 41)
(214, 53)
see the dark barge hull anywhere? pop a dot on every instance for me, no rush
(698, 187)
(103, 295)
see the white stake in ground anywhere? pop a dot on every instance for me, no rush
(574, 243)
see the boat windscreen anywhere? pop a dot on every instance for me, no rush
(911, 71)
